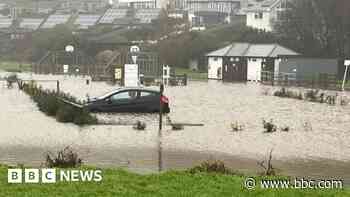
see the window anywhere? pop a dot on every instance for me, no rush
(258, 15)
(124, 96)
(215, 59)
(147, 94)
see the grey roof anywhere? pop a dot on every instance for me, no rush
(264, 6)
(112, 14)
(253, 50)
(260, 50)
(31, 23)
(5, 22)
(220, 52)
(85, 21)
(56, 19)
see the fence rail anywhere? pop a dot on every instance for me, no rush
(319, 81)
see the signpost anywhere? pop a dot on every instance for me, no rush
(346, 64)
(160, 158)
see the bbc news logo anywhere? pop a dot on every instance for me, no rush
(50, 176)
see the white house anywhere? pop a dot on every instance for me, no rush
(245, 61)
(263, 15)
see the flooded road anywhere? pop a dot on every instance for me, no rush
(318, 140)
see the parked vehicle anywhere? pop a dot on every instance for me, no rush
(134, 100)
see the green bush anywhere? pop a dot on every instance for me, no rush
(65, 158)
(50, 102)
(212, 166)
(288, 94)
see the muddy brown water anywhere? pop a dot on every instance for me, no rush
(317, 145)
(145, 161)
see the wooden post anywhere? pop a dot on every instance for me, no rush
(58, 86)
(160, 159)
(185, 79)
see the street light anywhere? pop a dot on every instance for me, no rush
(68, 49)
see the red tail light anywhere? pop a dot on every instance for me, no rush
(164, 99)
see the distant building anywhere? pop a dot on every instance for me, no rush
(245, 61)
(5, 22)
(55, 19)
(85, 21)
(263, 15)
(84, 5)
(139, 4)
(207, 12)
(30, 23)
(147, 15)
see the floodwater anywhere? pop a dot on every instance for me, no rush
(316, 145)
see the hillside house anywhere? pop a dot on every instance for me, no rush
(263, 15)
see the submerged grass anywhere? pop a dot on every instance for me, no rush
(117, 182)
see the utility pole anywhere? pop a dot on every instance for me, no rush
(160, 158)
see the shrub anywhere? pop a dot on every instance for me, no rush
(11, 80)
(65, 158)
(50, 102)
(236, 127)
(211, 166)
(65, 114)
(311, 95)
(269, 126)
(288, 94)
(140, 126)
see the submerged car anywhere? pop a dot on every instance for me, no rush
(132, 100)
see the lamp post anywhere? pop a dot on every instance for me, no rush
(69, 49)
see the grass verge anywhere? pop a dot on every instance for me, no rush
(15, 66)
(117, 182)
(195, 75)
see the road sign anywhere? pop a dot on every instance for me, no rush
(118, 74)
(347, 63)
(65, 68)
(131, 75)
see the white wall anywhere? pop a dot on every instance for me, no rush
(254, 69)
(264, 23)
(213, 65)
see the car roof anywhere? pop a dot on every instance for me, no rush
(126, 89)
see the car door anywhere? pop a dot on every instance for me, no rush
(124, 101)
(148, 101)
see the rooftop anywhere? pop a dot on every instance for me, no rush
(253, 50)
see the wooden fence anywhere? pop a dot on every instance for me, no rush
(319, 81)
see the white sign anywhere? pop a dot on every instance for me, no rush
(38, 176)
(134, 49)
(166, 74)
(131, 75)
(65, 68)
(118, 74)
(69, 48)
(347, 63)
